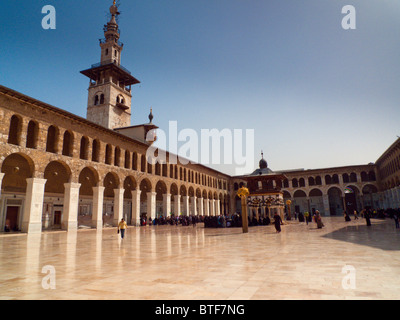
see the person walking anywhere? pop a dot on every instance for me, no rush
(122, 226)
(355, 215)
(277, 222)
(306, 215)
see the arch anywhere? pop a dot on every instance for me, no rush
(204, 194)
(311, 181)
(32, 135)
(315, 193)
(68, 144)
(17, 168)
(328, 179)
(145, 186)
(198, 193)
(286, 183)
(334, 190)
(56, 173)
(108, 154)
(318, 181)
(96, 151)
(302, 183)
(286, 195)
(135, 161)
(143, 163)
(295, 183)
(299, 194)
(335, 178)
(111, 182)
(88, 178)
(335, 197)
(371, 176)
(127, 159)
(353, 177)
(117, 156)
(130, 185)
(351, 189)
(346, 178)
(14, 133)
(173, 189)
(369, 189)
(364, 176)
(52, 139)
(161, 189)
(84, 149)
(191, 192)
(182, 190)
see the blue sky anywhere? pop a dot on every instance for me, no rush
(316, 95)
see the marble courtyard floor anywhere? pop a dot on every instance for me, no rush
(186, 263)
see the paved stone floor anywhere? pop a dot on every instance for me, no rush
(186, 263)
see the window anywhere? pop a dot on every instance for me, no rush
(96, 151)
(52, 139)
(32, 135)
(14, 135)
(84, 152)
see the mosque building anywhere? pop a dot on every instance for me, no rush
(61, 171)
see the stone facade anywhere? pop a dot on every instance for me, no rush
(55, 162)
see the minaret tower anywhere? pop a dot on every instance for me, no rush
(109, 98)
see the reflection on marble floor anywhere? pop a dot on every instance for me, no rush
(169, 262)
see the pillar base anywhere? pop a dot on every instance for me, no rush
(32, 228)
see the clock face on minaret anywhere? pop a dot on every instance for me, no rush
(109, 97)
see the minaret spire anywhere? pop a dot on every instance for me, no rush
(110, 97)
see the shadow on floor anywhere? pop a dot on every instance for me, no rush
(382, 235)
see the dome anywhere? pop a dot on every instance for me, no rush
(263, 163)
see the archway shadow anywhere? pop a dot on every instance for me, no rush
(382, 235)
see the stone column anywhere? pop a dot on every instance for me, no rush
(325, 199)
(32, 218)
(71, 203)
(186, 205)
(212, 207)
(194, 206)
(218, 205)
(97, 214)
(167, 204)
(206, 207)
(151, 205)
(136, 208)
(118, 206)
(201, 208)
(177, 205)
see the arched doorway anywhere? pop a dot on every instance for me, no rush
(17, 168)
(316, 201)
(56, 174)
(88, 179)
(300, 201)
(129, 186)
(335, 201)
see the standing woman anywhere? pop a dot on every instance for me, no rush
(367, 215)
(277, 222)
(318, 220)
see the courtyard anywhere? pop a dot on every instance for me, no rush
(197, 263)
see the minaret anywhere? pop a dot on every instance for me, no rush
(109, 98)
